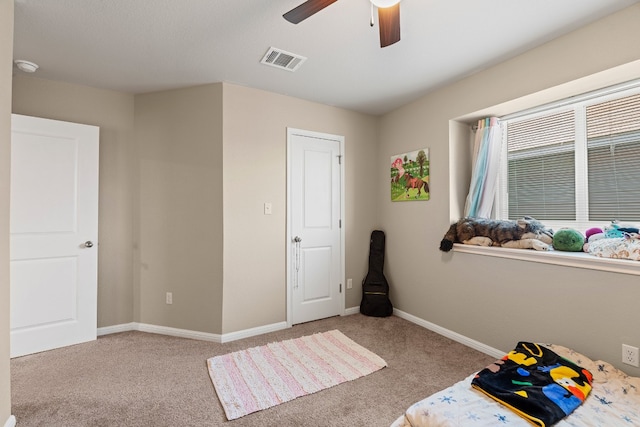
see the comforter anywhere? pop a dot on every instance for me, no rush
(614, 401)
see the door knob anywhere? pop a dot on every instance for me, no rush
(297, 239)
(88, 244)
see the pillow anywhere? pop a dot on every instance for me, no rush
(619, 247)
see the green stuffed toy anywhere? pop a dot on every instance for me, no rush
(568, 240)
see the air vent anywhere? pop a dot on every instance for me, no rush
(283, 60)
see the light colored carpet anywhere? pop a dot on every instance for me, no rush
(136, 379)
(258, 378)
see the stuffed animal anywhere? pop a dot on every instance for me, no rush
(593, 234)
(615, 230)
(525, 233)
(568, 240)
(593, 231)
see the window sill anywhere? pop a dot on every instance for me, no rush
(568, 259)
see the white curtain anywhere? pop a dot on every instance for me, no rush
(486, 167)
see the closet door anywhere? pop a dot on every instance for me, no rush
(315, 202)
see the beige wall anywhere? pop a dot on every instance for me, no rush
(6, 62)
(113, 113)
(498, 301)
(179, 212)
(255, 138)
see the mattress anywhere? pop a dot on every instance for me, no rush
(614, 401)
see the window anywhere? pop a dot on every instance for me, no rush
(576, 163)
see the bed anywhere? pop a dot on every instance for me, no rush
(614, 400)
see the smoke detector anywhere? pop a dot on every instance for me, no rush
(26, 66)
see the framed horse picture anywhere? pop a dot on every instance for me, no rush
(410, 176)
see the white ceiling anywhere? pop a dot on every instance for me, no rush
(140, 46)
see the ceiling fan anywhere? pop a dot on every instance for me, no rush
(388, 16)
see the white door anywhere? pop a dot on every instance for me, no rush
(315, 238)
(54, 234)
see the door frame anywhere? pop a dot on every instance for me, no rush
(289, 235)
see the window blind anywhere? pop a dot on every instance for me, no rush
(613, 150)
(541, 167)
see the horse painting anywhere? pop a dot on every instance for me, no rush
(404, 181)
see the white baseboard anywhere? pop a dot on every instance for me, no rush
(351, 310)
(125, 327)
(11, 422)
(162, 330)
(183, 333)
(476, 345)
(204, 336)
(196, 335)
(175, 332)
(234, 336)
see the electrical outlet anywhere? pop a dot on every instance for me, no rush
(169, 298)
(630, 355)
(349, 283)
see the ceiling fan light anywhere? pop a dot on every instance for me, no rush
(384, 3)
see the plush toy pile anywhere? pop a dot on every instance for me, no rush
(614, 241)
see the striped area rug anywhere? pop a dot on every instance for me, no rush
(251, 380)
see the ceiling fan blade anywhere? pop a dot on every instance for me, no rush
(306, 9)
(389, 21)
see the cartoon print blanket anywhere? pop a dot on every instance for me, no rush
(536, 383)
